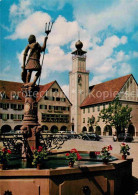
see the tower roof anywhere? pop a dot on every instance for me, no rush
(79, 50)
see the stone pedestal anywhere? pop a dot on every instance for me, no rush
(30, 128)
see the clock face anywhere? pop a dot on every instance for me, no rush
(27, 107)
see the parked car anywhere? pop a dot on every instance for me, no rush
(91, 136)
(127, 137)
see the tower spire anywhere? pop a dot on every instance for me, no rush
(79, 50)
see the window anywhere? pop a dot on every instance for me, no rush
(83, 120)
(54, 90)
(93, 109)
(88, 110)
(15, 96)
(3, 95)
(20, 106)
(98, 108)
(62, 99)
(49, 98)
(20, 116)
(5, 106)
(51, 107)
(14, 116)
(13, 106)
(57, 99)
(83, 110)
(43, 106)
(55, 118)
(5, 116)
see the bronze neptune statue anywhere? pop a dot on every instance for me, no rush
(33, 61)
(30, 126)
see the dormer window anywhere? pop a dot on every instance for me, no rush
(15, 96)
(3, 95)
(54, 90)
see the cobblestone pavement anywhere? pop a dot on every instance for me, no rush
(84, 145)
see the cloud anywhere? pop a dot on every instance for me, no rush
(99, 54)
(120, 16)
(63, 31)
(34, 24)
(135, 36)
(135, 54)
(56, 60)
(124, 69)
(105, 62)
(65, 88)
(92, 21)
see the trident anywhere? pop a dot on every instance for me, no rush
(48, 28)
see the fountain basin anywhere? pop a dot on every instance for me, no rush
(88, 177)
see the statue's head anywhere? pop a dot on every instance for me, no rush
(31, 39)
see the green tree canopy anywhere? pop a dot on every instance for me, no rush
(116, 115)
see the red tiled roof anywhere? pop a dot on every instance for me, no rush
(10, 87)
(43, 89)
(105, 92)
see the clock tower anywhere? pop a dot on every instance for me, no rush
(78, 85)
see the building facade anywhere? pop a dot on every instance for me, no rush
(86, 105)
(53, 107)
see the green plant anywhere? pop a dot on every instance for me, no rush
(116, 115)
(39, 155)
(4, 155)
(73, 155)
(105, 154)
(124, 149)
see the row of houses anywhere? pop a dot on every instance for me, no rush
(53, 107)
(57, 112)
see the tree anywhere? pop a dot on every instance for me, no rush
(92, 122)
(116, 115)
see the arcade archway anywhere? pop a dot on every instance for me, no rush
(54, 129)
(98, 130)
(84, 129)
(5, 129)
(108, 130)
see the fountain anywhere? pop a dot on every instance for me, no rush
(88, 176)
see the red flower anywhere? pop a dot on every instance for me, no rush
(97, 153)
(33, 148)
(123, 144)
(40, 148)
(4, 149)
(73, 150)
(78, 156)
(9, 151)
(109, 147)
(67, 154)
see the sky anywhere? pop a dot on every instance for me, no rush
(107, 28)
